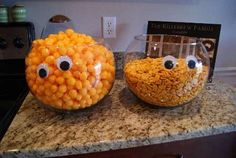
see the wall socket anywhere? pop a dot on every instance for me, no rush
(109, 27)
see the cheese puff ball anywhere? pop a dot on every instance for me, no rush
(69, 70)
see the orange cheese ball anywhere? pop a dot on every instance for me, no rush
(69, 70)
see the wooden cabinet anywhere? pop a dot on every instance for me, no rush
(218, 146)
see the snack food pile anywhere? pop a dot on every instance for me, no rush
(165, 84)
(69, 70)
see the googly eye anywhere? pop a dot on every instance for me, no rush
(169, 62)
(64, 63)
(43, 71)
(191, 61)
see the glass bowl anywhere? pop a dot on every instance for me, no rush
(69, 71)
(166, 70)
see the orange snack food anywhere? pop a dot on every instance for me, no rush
(153, 83)
(69, 70)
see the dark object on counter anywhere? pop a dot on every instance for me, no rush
(59, 19)
(12, 93)
(15, 42)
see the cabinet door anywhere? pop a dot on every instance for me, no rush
(218, 146)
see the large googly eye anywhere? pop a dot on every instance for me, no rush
(43, 70)
(191, 61)
(64, 63)
(169, 62)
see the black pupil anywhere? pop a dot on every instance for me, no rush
(42, 73)
(65, 65)
(169, 64)
(191, 64)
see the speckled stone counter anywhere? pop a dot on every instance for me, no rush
(119, 121)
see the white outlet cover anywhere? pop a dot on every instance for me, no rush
(109, 27)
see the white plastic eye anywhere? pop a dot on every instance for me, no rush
(64, 63)
(191, 61)
(43, 70)
(169, 62)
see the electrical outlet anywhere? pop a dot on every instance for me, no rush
(109, 27)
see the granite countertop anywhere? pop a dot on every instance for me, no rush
(119, 121)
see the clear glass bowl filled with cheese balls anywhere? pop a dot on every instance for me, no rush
(166, 70)
(69, 71)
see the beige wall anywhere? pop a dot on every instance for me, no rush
(132, 17)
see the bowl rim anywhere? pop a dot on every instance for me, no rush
(98, 41)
